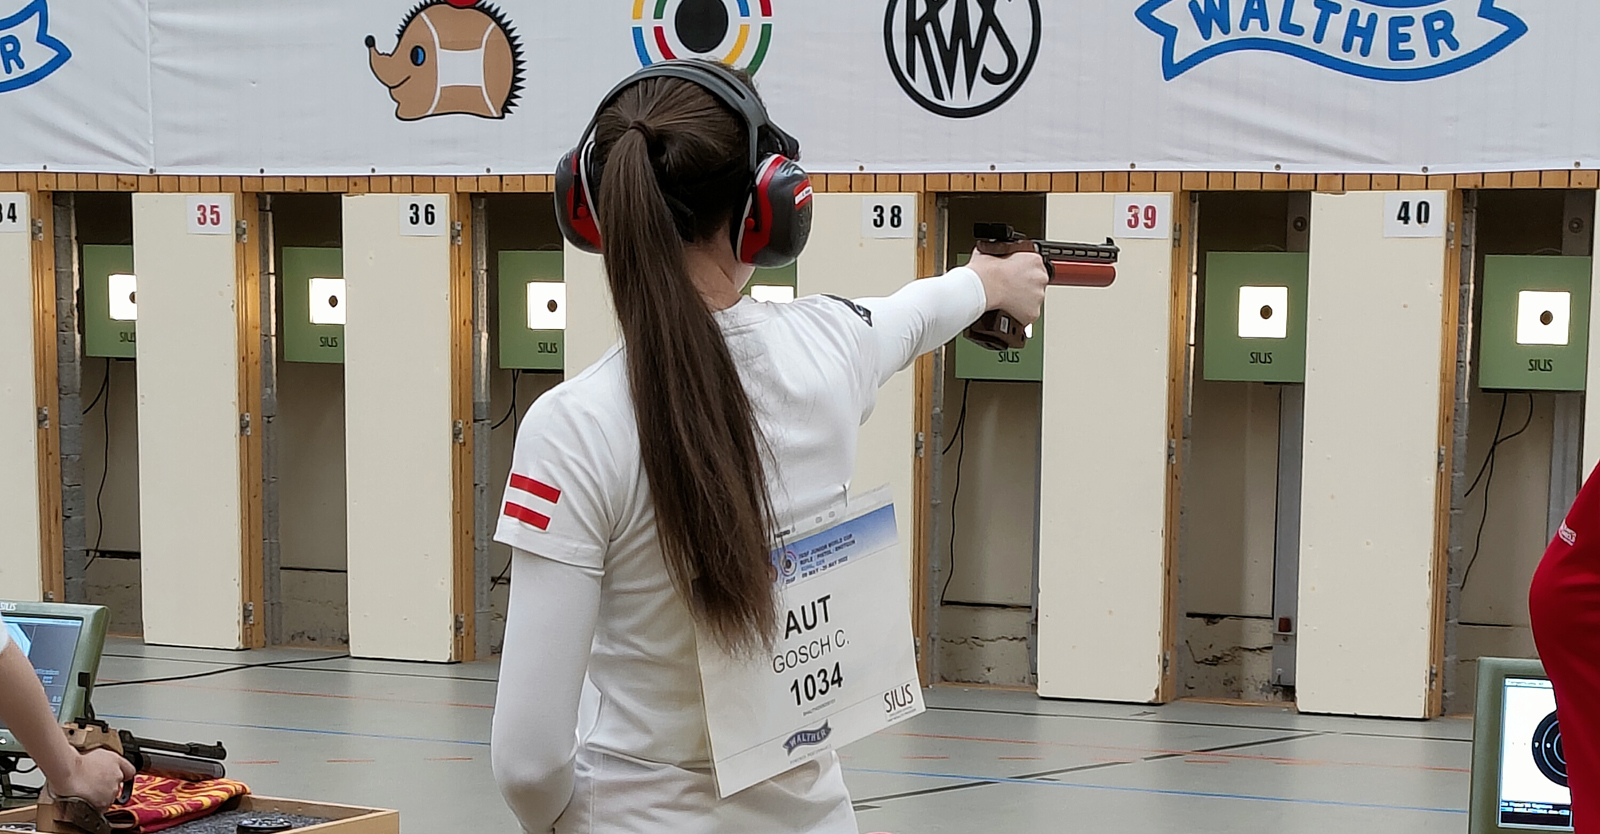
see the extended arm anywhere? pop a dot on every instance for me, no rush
(550, 626)
(921, 316)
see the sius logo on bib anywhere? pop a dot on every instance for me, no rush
(736, 32)
(807, 738)
(1384, 40)
(962, 58)
(27, 51)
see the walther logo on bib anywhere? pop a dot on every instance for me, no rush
(1385, 40)
(807, 738)
(962, 58)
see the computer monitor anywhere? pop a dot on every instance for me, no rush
(63, 642)
(1519, 770)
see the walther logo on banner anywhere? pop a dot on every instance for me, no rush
(962, 58)
(1385, 40)
(27, 51)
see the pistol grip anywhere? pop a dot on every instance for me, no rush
(997, 330)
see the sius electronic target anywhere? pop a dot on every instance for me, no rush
(1519, 768)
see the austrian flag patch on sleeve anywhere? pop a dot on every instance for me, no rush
(535, 494)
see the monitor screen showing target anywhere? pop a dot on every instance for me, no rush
(1533, 770)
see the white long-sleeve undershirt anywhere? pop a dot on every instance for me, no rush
(555, 604)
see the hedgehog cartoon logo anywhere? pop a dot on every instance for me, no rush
(452, 56)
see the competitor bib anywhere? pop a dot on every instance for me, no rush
(844, 666)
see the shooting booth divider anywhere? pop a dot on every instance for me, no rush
(199, 394)
(1591, 429)
(591, 319)
(21, 573)
(408, 426)
(1379, 406)
(1106, 461)
(841, 259)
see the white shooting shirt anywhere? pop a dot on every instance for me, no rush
(578, 514)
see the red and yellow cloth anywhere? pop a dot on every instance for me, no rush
(159, 803)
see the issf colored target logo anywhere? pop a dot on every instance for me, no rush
(736, 32)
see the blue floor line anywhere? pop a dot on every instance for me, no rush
(294, 730)
(961, 777)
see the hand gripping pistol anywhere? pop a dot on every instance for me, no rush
(189, 762)
(1068, 264)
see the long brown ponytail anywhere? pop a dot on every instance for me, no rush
(675, 171)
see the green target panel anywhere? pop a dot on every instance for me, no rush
(1255, 321)
(1535, 333)
(533, 311)
(313, 305)
(1025, 364)
(110, 302)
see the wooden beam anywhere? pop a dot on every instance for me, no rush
(46, 394)
(1525, 179)
(1465, 181)
(1449, 354)
(922, 469)
(463, 514)
(1248, 181)
(1116, 181)
(1413, 182)
(1039, 182)
(1064, 183)
(1586, 179)
(1142, 181)
(1497, 179)
(1275, 182)
(247, 304)
(937, 182)
(913, 183)
(987, 182)
(1013, 182)
(1358, 182)
(1555, 179)
(1169, 181)
(1177, 385)
(1220, 181)
(886, 183)
(1091, 181)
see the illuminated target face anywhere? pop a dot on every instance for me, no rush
(1263, 312)
(1544, 318)
(124, 297)
(735, 32)
(547, 305)
(327, 301)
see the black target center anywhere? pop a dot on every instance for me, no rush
(702, 24)
(131, 294)
(333, 301)
(551, 306)
(1546, 317)
(1266, 311)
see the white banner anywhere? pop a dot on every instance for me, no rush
(471, 86)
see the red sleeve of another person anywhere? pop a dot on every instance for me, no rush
(1565, 608)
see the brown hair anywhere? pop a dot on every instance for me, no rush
(675, 171)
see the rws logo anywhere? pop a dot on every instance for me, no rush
(962, 58)
(1385, 40)
(27, 51)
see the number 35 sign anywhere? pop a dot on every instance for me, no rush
(1142, 216)
(211, 214)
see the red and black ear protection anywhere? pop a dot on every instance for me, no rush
(776, 221)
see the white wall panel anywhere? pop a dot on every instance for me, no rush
(840, 261)
(1102, 583)
(189, 509)
(1591, 429)
(398, 433)
(1373, 354)
(591, 320)
(20, 565)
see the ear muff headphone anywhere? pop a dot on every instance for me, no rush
(777, 216)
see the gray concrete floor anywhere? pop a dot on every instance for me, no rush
(415, 738)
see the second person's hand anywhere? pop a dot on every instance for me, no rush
(1014, 284)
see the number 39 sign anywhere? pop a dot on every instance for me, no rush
(1142, 216)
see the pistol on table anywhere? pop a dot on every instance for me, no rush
(190, 762)
(1068, 265)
